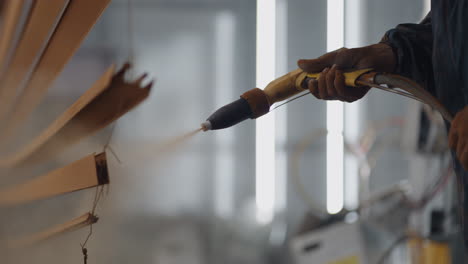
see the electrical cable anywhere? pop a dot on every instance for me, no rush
(369, 140)
(356, 150)
(403, 238)
(439, 184)
(295, 176)
(367, 143)
(386, 254)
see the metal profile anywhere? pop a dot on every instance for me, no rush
(70, 226)
(88, 172)
(76, 22)
(14, 15)
(109, 99)
(43, 19)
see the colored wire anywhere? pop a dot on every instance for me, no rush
(439, 184)
(294, 175)
(391, 248)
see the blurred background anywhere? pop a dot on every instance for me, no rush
(222, 196)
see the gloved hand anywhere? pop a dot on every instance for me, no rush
(458, 136)
(331, 84)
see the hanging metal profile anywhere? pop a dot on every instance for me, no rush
(88, 172)
(70, 226)
(76, 22)
(14, 16)
(43, 19)
(109, 99)
(98, 87)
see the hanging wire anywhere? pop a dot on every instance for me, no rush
(97, 196)
(108, 141)
(383, 258)
(107, 145)
(100, 189)
(369, 141)
(114, 154)
(130, 35)
(438, 185)
(131, 60)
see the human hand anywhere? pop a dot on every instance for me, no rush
(458, 136)
(331, 83)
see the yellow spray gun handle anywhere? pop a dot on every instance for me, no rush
(350, 78)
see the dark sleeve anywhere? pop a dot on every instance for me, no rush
(412, 45)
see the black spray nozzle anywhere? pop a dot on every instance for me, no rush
(228, 115)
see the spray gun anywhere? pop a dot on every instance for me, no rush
(256, 102)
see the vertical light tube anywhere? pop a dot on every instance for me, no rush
(351, 173)
(355, 28)
(265, 126)
(281, 114)
(335, 115)
(224, 50)
(335, 24)
(426, 7)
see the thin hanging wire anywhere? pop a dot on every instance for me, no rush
(130, 36)
(114, 154)
(97, 196)
(109, 139)
(107, 145)
(131, 60)
(100, 189)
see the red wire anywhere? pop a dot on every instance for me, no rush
(432, 193)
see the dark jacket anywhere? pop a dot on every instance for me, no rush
(435, 54)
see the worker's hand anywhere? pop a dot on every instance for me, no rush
(331, 83)
(458, 136)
